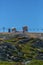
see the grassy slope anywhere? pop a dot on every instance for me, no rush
(36, 62)
(29, 52)
(7, 63)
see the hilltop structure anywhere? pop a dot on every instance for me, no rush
(9, 30)
(25, 29)
(13, 29)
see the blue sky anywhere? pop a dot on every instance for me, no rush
(18, 13)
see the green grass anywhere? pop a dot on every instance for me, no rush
(36, 62)
(7, 63)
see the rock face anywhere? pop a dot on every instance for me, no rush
(38, 44)
(8, 52)
(23, 41)
(21, 48)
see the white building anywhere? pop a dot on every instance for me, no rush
(13, 29)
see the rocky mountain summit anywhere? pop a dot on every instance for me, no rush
(21, 48)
